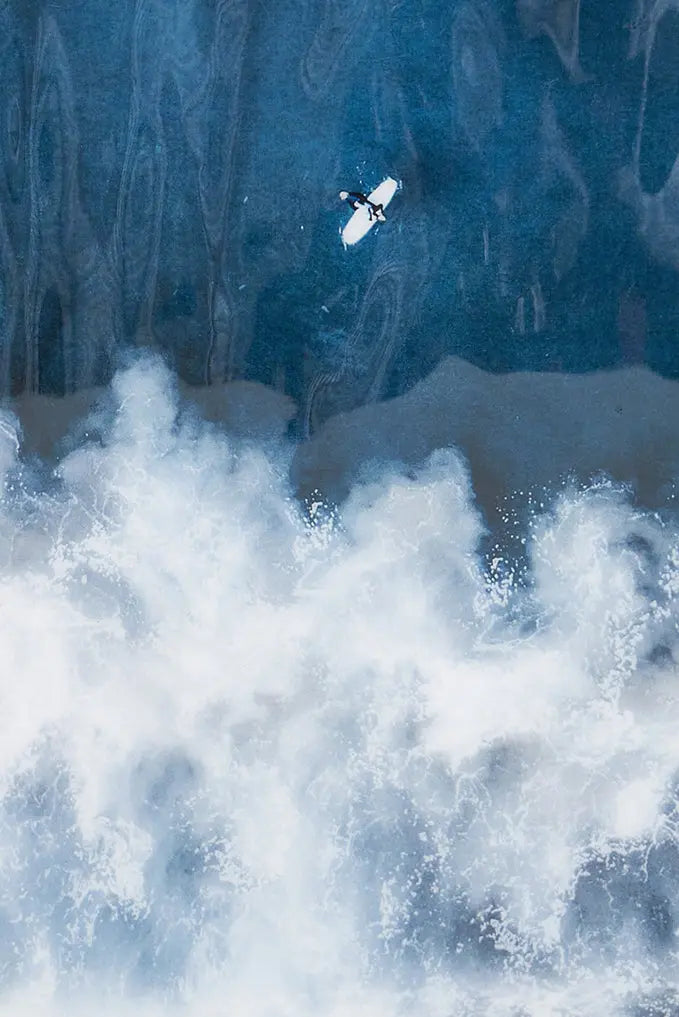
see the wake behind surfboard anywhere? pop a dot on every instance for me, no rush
(361, 222)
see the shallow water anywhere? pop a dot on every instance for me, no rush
(265, 759)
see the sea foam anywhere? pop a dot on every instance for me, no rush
(265, 758)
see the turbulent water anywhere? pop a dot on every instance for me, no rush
(263, 758)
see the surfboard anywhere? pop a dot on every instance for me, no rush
(360, 222)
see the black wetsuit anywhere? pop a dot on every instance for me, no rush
(356, 199)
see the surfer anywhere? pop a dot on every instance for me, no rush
(356, 199)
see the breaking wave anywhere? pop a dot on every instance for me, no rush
(267, 759)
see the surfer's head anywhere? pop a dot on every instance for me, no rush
(344, 195)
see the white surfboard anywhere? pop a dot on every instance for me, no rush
(360, 222)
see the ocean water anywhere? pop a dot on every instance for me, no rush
(267, 757)
(339, 590)
(170, 169)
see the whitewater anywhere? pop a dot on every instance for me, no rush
(264, 757)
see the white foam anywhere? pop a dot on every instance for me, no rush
(259, 764)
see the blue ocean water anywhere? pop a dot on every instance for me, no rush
(339, 590)
(171, 172)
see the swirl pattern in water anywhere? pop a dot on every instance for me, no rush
(171, 172)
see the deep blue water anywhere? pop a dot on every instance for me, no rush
(172, 170)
